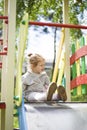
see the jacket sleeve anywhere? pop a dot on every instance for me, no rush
(47, 80)
(24, 85)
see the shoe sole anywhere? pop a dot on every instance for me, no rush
(51, 90)
(62, 93)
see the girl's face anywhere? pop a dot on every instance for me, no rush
(39, 68)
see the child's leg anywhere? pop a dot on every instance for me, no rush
(51, 90)
(37, 96)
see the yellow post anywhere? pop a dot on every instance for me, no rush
(86, 40)
(61, 69)
(60, 47)
(78, 69)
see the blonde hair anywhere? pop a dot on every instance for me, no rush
(34, 59)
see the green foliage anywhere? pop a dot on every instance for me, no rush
(1, 7)
(76, 10)
(30, 6)
(80, 98)
(40, 8)
(52, 10)
(1, 12)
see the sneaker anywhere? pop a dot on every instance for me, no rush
(51, 90)
(61, 93)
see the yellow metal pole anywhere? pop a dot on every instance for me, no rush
(78, 69)
(61, 69)
(60, 47)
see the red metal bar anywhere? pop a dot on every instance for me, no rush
(3, 17)
(58, 25)
(2, 105)
(3, 53)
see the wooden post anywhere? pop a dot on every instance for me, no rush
(67, 48)
(7, 91)
(3, 81)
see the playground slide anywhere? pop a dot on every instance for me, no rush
(54, 115)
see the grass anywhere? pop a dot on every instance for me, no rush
(81, 98)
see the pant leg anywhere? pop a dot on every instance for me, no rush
(37, 96)
(55, 96)
(40, 96)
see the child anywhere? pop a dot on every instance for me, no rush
(36, 83)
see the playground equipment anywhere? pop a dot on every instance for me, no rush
(22, 114)
(18, 92)
(7, 92)
(57, 25)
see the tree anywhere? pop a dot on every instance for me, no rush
(76, 13)
(52, 10)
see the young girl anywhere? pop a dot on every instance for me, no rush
(36, 83)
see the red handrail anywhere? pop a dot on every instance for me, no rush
(2, 105)
(3, 53)
(58, 25)
(4, 17)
